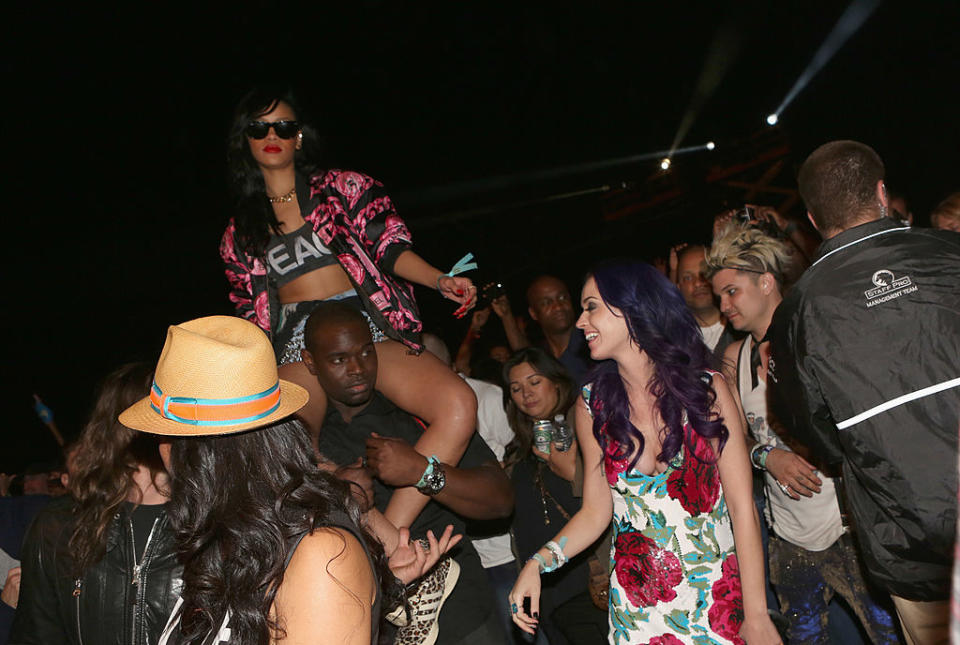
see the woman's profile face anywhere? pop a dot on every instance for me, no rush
(273, 152)
(603, 327)
(533, 393)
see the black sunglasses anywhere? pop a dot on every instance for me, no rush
(284, 129)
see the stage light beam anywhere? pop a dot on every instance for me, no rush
(852, 19)
(665, 164)
(772, 119)
(722, 53)
(711, 145)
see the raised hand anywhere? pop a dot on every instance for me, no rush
(460, 290)
(410, 560)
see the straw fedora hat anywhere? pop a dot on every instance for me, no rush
(216, 375)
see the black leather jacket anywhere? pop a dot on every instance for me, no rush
(125, 598)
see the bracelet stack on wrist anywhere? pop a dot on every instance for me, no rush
(556, 550)
(758, 455)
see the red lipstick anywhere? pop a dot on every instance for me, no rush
(272, 149)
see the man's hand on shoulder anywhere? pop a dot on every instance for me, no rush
(394, 461)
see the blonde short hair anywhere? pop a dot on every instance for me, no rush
(747, 248)
(949, 208)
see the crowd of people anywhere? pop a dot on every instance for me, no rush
(751, 441)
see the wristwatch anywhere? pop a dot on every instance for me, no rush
(433, 479)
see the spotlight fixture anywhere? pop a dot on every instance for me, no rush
(665, 164)
(772, 119)
(711, 145)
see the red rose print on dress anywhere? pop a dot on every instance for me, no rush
(726, 612)
(613, 466)
(665, 639)
(647, 573)
(696, 484)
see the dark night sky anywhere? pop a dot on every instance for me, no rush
(116, 123)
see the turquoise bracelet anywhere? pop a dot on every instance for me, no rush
(463, 264)
(541, 563)
(431, 463)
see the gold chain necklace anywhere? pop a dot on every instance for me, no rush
(283, 199)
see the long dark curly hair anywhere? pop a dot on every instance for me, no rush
(522, 425)
(253, 215)
(660, 324)
(238, 501)
(103, 462)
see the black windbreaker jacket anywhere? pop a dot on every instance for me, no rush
(866, 371)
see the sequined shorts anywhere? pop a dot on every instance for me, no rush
(293, 318)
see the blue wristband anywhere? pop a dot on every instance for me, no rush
(541, 563)
(431, 463)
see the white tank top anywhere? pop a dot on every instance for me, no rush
(812, 523)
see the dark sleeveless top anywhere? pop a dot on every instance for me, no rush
(337, 520)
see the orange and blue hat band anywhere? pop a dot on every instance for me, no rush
(215, 412)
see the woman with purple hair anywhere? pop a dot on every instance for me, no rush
(664, 456)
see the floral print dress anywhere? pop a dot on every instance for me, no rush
(674, 577)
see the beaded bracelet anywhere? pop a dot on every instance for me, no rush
(558, 557)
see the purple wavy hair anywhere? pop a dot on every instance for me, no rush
(660, 324)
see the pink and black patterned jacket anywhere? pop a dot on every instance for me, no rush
(354, 218)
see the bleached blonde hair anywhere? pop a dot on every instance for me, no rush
(949, 208)
(747, 248)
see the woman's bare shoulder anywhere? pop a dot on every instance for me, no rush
(330, 555)
(329, 586)
(327, 544)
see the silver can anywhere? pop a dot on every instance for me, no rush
(543, 435)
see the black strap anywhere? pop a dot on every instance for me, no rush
(755, 360)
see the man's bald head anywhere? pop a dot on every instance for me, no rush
(331, 313)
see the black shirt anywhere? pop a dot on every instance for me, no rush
(341, 442)
(142, 517)
(576, 357)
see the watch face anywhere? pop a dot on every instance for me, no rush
(435, 481)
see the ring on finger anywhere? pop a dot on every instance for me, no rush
(784, 487)
(513, 608)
